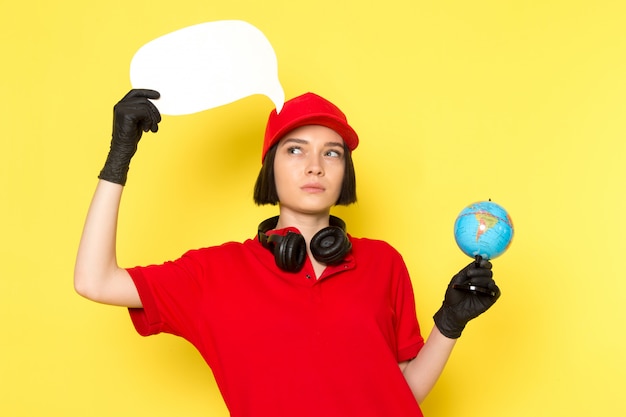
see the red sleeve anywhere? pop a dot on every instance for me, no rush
(170, 295)
(410, 340)
(146, 320)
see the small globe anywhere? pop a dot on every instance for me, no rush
(483, 228)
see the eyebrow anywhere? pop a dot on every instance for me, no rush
(304, 142)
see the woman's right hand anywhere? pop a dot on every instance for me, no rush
(134, 114)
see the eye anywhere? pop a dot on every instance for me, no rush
(295, 150)
(334, 153)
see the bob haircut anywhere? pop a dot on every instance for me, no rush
(265, 187)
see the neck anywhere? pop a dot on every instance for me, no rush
(307, 224)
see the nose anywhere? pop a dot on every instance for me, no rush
(314, 166)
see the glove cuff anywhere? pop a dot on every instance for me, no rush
(447, 325)
(114, 171)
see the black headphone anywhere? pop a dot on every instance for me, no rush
(329, 246)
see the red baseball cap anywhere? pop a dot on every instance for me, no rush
(307, 109)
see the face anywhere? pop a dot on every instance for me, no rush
(308, 169)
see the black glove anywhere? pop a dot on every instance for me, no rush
(133, 115)
(462, 305)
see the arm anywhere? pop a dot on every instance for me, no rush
(458, 308)
(97, 275)
(423, 372)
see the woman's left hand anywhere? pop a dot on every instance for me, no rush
(471, 292)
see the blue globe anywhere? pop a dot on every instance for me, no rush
(483, 228)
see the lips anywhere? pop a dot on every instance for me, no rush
(313, 188)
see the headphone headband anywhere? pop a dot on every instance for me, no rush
(329, 245)
(271, 223)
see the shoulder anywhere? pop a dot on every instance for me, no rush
(229, 254)
(225, 250)
(367, 243)
(381, 261)
(368, 247)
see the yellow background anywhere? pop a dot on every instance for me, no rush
(522, 102)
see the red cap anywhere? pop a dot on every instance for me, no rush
(307, 109)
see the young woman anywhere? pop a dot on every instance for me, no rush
(303, 319)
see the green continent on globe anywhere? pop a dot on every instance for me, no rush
(485, 222)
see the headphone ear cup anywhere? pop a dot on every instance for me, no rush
(330, 245)
(290, 252)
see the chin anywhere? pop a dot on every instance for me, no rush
(308, 208)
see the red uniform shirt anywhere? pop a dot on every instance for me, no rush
(287, 344)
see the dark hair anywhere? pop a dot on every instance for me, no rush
(265, 186)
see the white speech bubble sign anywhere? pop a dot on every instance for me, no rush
(207, 65)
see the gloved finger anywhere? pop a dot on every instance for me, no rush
(149, 121)
(481, 281)
(142, 110)
(155, 116)
(483, 263)
(479, 272)
(495, 289)
(141, 93)
(493, 292)
(149, 124)
(473, 270)
(459, 278)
